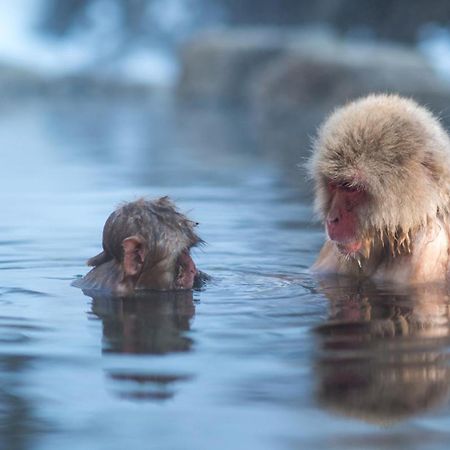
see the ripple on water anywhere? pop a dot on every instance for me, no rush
(23, 291)
(146, 386)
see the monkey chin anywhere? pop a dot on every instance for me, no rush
(349, 248)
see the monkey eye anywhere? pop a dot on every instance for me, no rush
(344, 186)
(347, 187)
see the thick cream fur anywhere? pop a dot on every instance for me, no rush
(399, 153)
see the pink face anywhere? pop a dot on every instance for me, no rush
(342, 219)
(187, 271)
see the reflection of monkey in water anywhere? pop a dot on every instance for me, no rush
(153, 323)
(381, 167)
(383, 355)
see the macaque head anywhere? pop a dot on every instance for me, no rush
(149, 243)
(381, 168)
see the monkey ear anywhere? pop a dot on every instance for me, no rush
(134, 253)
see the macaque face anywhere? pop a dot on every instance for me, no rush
(186, 270)
(342, 221)
(381, 167)
(173, 269)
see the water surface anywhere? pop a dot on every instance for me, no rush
(264, 357)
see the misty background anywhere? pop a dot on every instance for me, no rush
(282, 64)
(140, 39)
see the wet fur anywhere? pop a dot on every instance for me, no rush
(166, 232)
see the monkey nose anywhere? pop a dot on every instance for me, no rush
(333, 226)
(333, 220)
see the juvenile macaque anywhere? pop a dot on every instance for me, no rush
(381, 167)
(146, 245)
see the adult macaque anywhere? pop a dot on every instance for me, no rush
(381, 167)
(146, 245)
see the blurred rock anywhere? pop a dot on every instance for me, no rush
(216, 65)
(289, 98)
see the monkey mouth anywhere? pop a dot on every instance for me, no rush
(186, 271)
(349, 248)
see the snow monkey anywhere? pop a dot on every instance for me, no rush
(146, 245)
(381, 168)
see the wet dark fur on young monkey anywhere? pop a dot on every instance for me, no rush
(146, 246)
